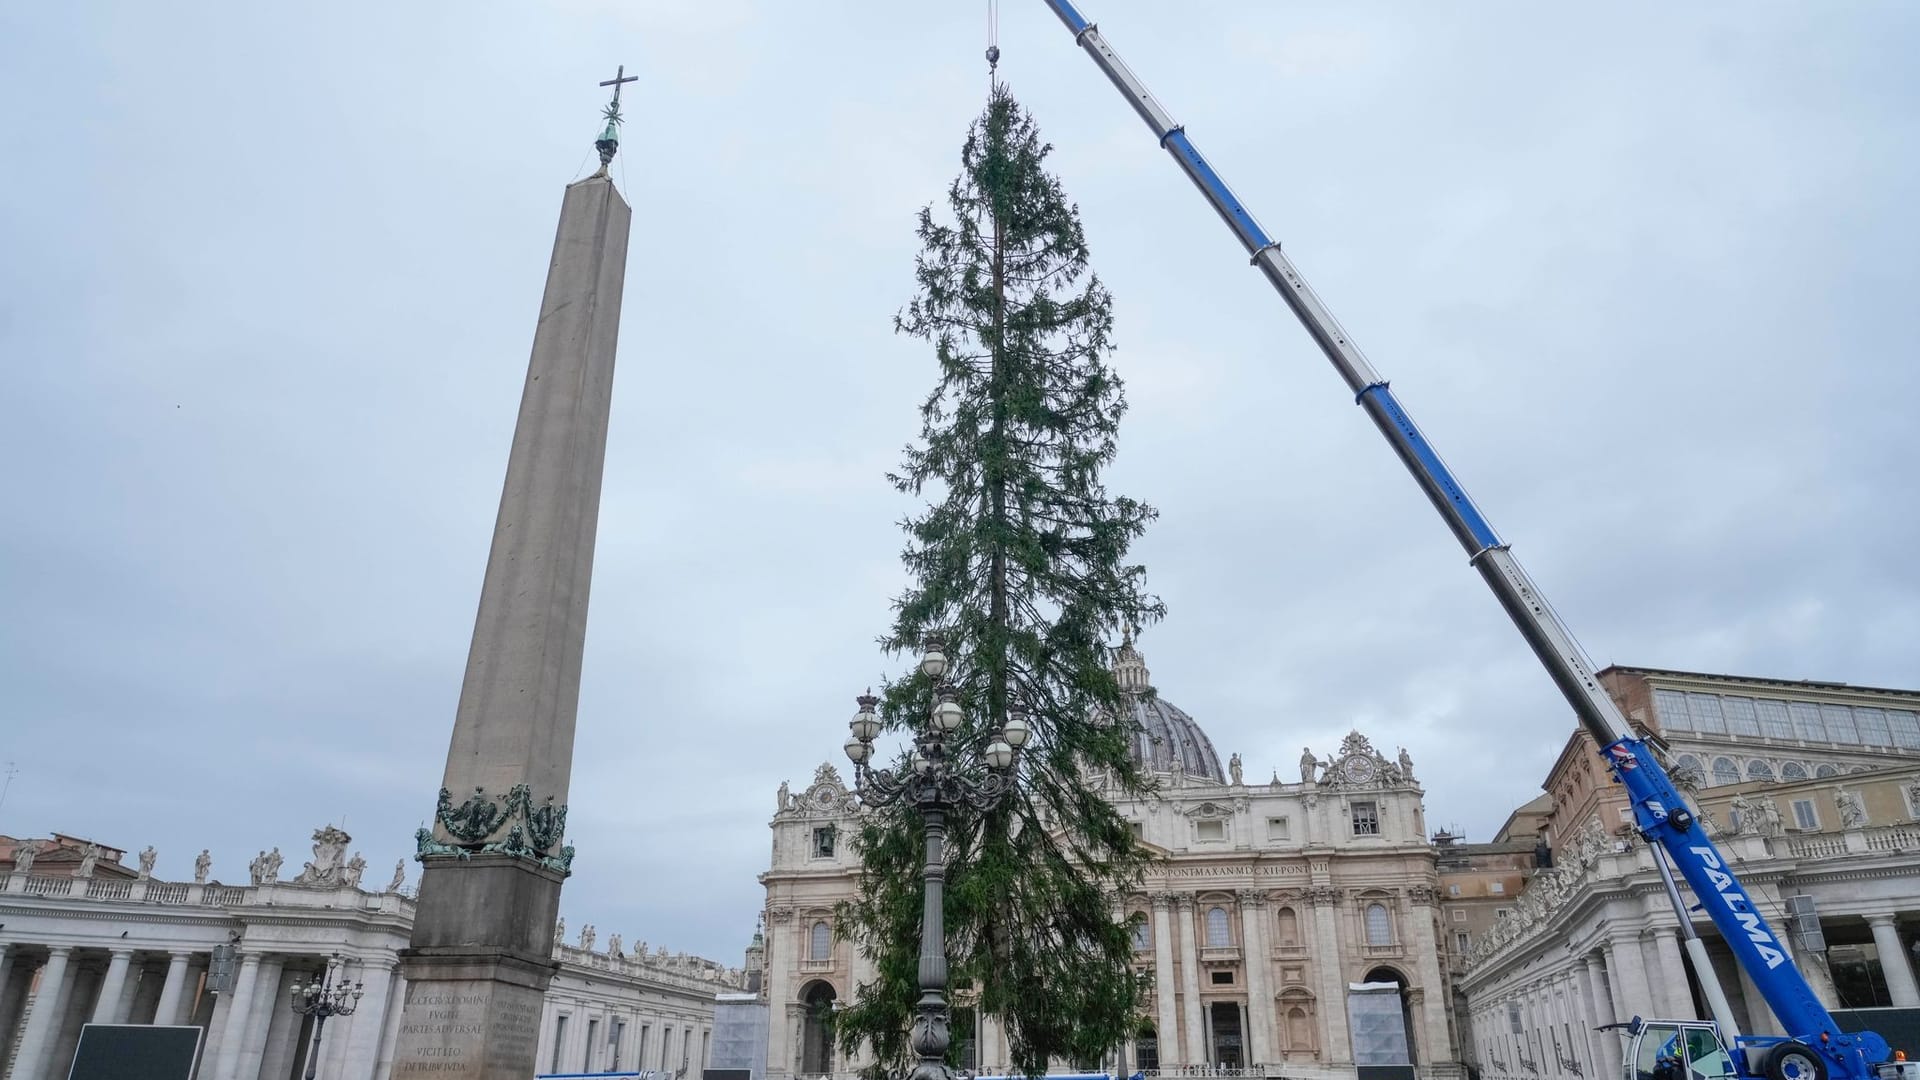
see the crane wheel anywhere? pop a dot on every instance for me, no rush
(1795, 1061)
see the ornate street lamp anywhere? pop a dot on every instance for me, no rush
(936, 780)
(320, 999)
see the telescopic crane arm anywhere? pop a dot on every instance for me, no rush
(1661, 814)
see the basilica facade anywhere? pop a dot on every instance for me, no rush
(1288, 924)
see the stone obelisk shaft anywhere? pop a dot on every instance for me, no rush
(481, 954)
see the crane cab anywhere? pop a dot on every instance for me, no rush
(1679, 1050)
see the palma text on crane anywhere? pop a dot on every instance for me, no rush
(1737, 902)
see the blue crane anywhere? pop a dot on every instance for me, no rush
(1815, 1048)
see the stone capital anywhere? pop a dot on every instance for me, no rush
(1252, 898)
(1162, 901)
(1884, 919)
(1184, 901)
(780, 915)
(1322, 895)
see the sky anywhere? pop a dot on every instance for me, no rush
(268, 279)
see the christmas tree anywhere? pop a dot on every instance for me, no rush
(1020, 563)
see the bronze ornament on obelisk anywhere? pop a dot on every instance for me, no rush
(480, 959)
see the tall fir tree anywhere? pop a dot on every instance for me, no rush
(1020, 562)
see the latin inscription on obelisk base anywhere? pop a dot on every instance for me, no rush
(481, 955)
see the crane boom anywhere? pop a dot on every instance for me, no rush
(1659, 811)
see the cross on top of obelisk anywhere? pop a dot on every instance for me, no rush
(609, 141)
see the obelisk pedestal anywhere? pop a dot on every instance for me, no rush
(480, 959)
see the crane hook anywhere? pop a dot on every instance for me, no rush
(993, 36)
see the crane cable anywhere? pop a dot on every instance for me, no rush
(993, 38)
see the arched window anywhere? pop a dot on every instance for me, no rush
(1826, 770)
(1289, 926)
(1759, 770)
(1725, 771)
(1793, 770)
(1689, 762)
(1379, 925)
(821, 942)
(1218, 936)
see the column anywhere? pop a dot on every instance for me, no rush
(167, 1013)
(1677, 997)
(262, 1018)
(989, 1045)
(233, 1034)
(110, 990)
(1195, 1036)
(283, 1024)
(783, 960)
(83, 990)
(1433, 1003)
(1257, 959)
(1326, 965)
(1626, 962)
(1166, 1004)
(36, 1043)
(1605, 1044)
(7, 966)
(138, 978)
(362, 1039)
(1893, 962)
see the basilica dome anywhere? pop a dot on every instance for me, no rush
(1162, 732)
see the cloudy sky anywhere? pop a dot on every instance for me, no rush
(268, 277)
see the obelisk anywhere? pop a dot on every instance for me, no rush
(480, 959)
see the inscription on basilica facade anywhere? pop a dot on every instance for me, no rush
(1246, 870)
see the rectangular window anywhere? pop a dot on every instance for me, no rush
(1366, 819)
(1806, 721)
(1774, 721)
(1906, 728)
(1741, 717)
(1454, 890)
(706, 1040)
(559, 1041)
(1670, 708)
(1497, 888)
(823, 842)
(1459, 914)
(1839, 721)
(1277, 829)
(1142, 936)
(1210, 830)
(593, 1034)
(640, 1051)
(1138, 830)
(614, 1038)
(1706, 714)
(1503, 913)
(1223, 978)
(1873, 726)
(1805, 815)
(1462, 942)
(1626, 815)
